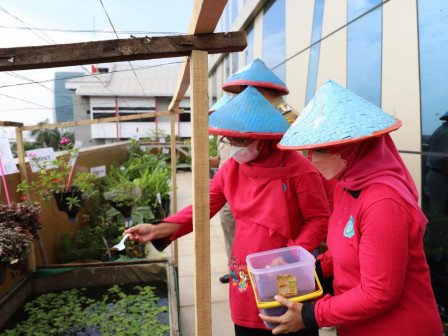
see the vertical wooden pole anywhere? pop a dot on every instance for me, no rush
(174, 180)
(21, 155)
(117, 122)
(201, 190)
(24, 177)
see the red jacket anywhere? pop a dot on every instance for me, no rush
(276, 203)
(381, 278)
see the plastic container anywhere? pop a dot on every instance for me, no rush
(288, 272)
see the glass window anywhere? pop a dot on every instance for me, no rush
(234, 10)
(316, 35)
(433, 51)
(226, 18)
(226, 67)
(364, 48)
(249, 51)
(214, 87)
(234, 62)
(274, 42)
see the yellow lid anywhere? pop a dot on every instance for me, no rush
(274, 304)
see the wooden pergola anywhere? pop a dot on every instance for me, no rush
(195, 47)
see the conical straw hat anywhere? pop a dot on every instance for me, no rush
(255, 73)
(337, 116)
(221, 101)
(248, 115)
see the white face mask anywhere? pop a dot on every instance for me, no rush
(329, 165)
(245, 154)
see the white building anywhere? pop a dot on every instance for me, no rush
(118, 91)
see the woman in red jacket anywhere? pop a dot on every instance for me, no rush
(381, 282)
(276, 197)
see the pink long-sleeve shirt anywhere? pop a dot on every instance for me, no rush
(277, 203)
(381, 279)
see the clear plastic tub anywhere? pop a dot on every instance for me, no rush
(288, 272)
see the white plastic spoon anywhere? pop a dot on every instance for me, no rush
(120, 246)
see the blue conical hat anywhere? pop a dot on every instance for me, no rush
(248, 115)
(336, 116)
(221, 101)
(255, 73)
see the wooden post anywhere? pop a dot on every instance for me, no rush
(21, 155)
(201, 190)
(174, 180)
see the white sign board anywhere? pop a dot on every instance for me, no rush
(41, 157)
(162, 140)
(99, 171)
(9, 167)
(166, 151)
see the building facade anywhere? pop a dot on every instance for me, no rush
(122, 90)
(63, 97)
(391, 52)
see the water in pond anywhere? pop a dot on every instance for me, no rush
(129, 309)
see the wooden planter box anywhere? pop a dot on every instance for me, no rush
(67, 276)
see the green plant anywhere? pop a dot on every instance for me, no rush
(71, 312)
(15, 244)
(56, 181)
(212, 146)
(26, 215)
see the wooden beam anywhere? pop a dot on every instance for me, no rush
(174, 179)
(10, 124)
(201, 191)
(101, 120)
(59, 55)
(204, 18)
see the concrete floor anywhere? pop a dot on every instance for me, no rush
(222, 324)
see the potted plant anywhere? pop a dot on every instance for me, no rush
(68, 187)
(121, 192)
(26, 215)
(15, 245)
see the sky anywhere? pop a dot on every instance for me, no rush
(27, 23)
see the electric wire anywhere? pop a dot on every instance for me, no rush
(54, 42)
(133, 70)
(100, 31)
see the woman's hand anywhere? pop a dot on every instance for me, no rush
(291, 321)
(144, 233)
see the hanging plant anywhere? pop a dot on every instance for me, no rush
(69, 187)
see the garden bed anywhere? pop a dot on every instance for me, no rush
(92, 276)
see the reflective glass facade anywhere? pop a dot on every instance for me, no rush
(235, 65)
(234, 10)
(364, 47)
(433, 52)
(249, 51)
(315, 49)
(274, 37)
(63, 98)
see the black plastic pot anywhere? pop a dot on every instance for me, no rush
(61, 202)
(125, 210)
(160, 212)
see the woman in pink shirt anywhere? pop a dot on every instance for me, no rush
(381, 283)
(276, 197)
